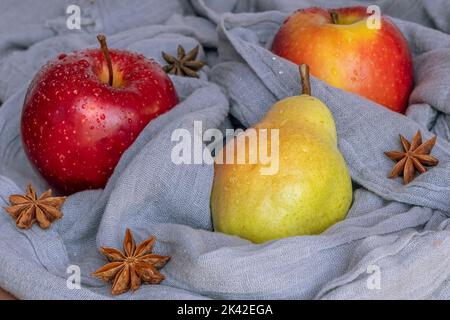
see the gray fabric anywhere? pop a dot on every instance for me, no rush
(404, 231)
(431, 13)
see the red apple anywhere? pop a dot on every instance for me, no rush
(343, 51)
(76, 124)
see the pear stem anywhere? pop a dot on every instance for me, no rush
(334, 17)
(104, 47)
(304, 75)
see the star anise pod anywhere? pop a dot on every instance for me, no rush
(184, 64)
(28, 208)
(134, 265)
(415, 156)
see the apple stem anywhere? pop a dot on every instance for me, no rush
(104, 47)
(334, 17)
(304, 75)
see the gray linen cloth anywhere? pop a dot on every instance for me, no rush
(401, 234)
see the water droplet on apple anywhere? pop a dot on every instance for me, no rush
(102, 116)
(62, 56)
(130, 120)
(97, 91)
(75, 91)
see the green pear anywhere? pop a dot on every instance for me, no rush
(310, 191)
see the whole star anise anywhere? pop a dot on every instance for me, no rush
(28, 208)
(416, 156)
(136, 264)
(184, 64)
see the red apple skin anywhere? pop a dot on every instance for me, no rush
(75, 126)
(373, 63)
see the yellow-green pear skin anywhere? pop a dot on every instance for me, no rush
(311, 191)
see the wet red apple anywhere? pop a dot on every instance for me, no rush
(84, 109)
